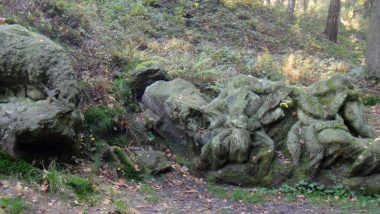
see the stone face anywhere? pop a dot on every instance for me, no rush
(259, 132)
(38, 92)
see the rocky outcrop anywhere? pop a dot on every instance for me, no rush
(38, 110)
(259, 132)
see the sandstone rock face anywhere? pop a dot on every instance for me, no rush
(38, 112)
(259, 132)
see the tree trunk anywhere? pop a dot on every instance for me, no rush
(305, 5)
(268, 2)
(332, 24)
(292, 5)
(373, 42)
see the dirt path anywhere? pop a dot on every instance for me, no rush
(177, 192)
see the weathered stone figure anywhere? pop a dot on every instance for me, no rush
(259, 132)
(38, 112)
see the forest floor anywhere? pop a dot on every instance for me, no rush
(175, 192)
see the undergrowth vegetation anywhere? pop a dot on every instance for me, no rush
(13, 205)
(315, 193)
(10, 166)
(204, 42)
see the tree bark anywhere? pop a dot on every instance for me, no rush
(305, 5)
(332, 24)
(373, 42)
(292, 5)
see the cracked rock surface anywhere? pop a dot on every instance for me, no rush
(259, 132)
(38, 111)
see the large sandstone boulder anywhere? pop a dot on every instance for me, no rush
(38, 110)
(259, 132)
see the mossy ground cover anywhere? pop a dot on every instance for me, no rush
(318, 195)
(12, 167)
(13, 205)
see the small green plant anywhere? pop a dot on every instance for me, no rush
(10, 166)
(121, 207)
(255, 196)
(147, 189)
(371, 100)
(55, 180)
(13, 205)
(82, 187)
(58, 181)
(303, 187)
(339, 194)
(102, 119)
(151, 193)
(218, 191)
(152, 198)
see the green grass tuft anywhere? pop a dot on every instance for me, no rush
(58, 181)
(101, 119)
(371, 100)
(218, 191)
(13, 205)
(10, 166)
(121, 207)
(82, 187)
(257, 196)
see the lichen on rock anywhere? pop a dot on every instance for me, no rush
(38, 111)
(259, 132)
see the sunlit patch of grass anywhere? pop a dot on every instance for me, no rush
(299, 67)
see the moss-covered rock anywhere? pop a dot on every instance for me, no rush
(259, 132)
(38, 111)
(152, 162)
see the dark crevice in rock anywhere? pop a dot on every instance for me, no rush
(43, 147)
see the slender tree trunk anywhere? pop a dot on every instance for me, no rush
(305, 5)
(268, 2)
(373, 42)
(332, 24)
(292, 5)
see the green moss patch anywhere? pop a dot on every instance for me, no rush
(13, 205)
(82, 187)
(10, 166)
(102, 119)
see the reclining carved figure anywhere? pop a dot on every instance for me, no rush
(259, 132)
